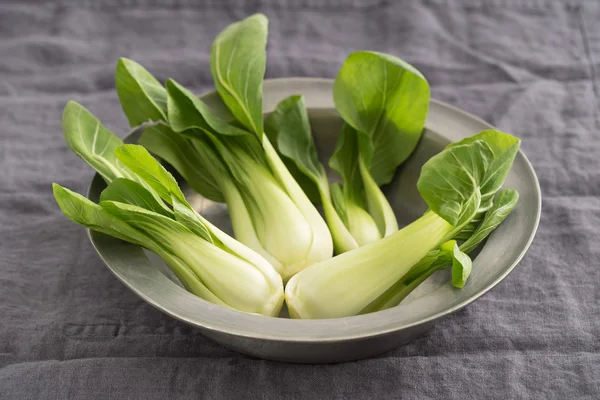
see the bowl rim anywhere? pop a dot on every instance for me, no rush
(222, 327)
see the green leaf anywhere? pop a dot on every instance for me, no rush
(131, 192)
(387, 99)
(238, 62)
(185, 215)
(142, 97)
(337, 218)
(345, 285)
(467, 231)
(209, 156)
(461, 263)
(192, 118)
(83, 211)
(337, 197)
(141, 162)
(181, 154)
(360, 189)
(96, 145)
(288, 129)
(450, 181)
(351, 145)
(186, 111)
(505, 148)
(157, 226)
(91, 141)
(345, 162)
(504, 203)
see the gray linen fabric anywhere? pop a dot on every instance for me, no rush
(70, 330)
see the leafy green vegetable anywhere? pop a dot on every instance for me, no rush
(222, 271)
(142, 97)
(450, 176)
(382, 273)
(182, 155)
(366, 207)
(143, 100)
(288, 128)
(268, 173)
(131, 192)
(461, 263)
(238, 59)
(359, 213)
(437, 260)
(238, 62)
(347, 283)
(91, 141)
(384, 102)
(504, 148)
(265, 211)
(503, 204)
(91, 215)
(387, 99)
(95, 144)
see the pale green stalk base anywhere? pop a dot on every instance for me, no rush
(189, 279)
(321, 247)
(345, 285)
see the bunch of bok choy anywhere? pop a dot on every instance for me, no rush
(144, 205)
(231, 160)
(459, 185)
(384, 103)
(269, 175)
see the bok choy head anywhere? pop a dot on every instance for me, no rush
(143, 204)
(267, 215)
(232, 161)
(384, 102)
(453, 184)
(211, 272)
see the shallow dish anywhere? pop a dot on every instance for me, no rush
(340, 339)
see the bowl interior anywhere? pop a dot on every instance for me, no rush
(149, 277)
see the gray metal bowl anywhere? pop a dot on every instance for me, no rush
(340, 339)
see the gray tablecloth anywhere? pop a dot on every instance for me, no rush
(70, 330)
